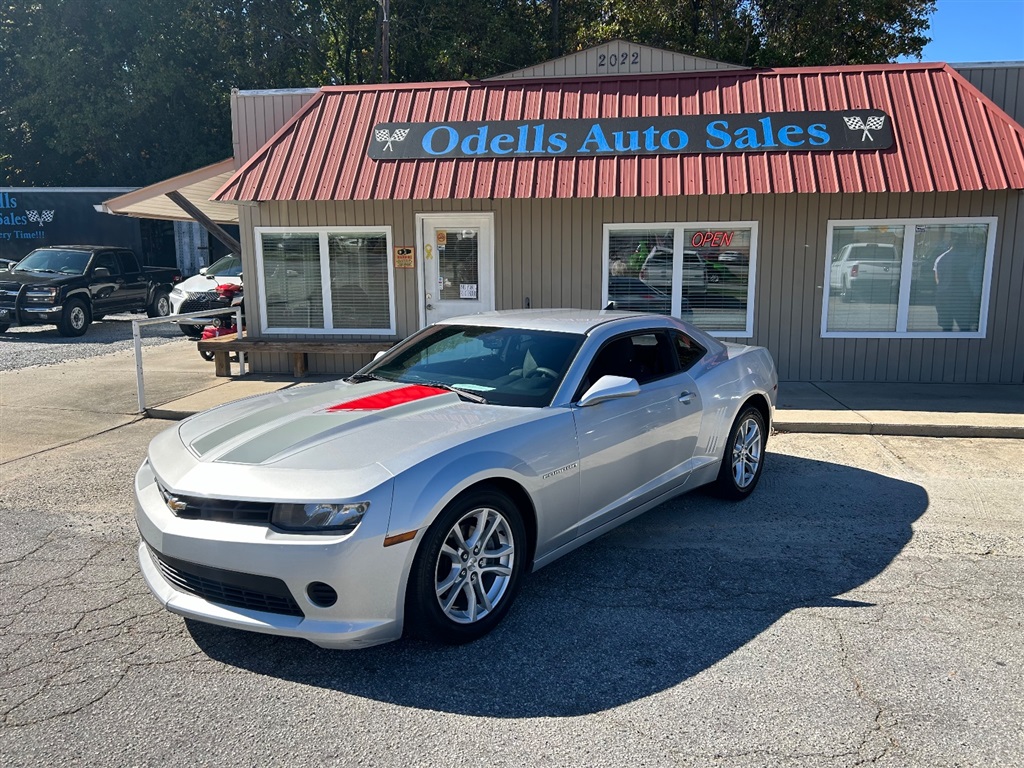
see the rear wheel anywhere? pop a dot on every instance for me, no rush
(207, 356)
(194, 332)
(161, 304)
(744, 456)
(75, 319)
(468, 569)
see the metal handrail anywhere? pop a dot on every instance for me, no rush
(185, 317)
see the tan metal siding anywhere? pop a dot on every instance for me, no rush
(1003, 84)
(588, 62)
(551, 252)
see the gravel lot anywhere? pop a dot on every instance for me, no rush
(863, 607)
(27, 345)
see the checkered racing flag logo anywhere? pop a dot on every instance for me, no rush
(40, 217)
(871, 124)
(398, 134)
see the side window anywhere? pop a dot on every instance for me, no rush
(108, 260)
(642, 356)
(129, 263)
(687, 350)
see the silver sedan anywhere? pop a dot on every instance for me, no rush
(415, 495)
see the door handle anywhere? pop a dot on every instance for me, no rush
(430, 306)
(686, 397)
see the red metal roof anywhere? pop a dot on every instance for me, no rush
(949, 137)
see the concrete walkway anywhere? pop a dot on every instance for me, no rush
(49, 406)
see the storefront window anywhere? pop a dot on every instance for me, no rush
(894, 278)
(347, 271)
(359, 280)
(702, 273)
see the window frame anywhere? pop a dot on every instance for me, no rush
(906, 275)
(325, 280)
(678, 247)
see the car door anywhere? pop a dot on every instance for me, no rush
(635, 448)
(135, 288)
(107, 295)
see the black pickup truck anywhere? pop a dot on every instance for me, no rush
(71, 285)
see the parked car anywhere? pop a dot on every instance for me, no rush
(633, 294)
(199, 292)
(657, 271)
(417, 493)
(867, 271)
(71, 285)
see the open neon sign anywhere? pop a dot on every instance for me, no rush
(711, 239)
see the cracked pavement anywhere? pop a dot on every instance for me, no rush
(864, 607)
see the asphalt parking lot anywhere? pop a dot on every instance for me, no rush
(863, 607)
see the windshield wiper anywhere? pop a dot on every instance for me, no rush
(471, 396)
(355, 378)
(48, 271)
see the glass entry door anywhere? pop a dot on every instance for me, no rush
(457, 265)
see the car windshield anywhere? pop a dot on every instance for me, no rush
(504, 366)
(55, 260)
(229, 266)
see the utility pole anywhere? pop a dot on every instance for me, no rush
(385, 33)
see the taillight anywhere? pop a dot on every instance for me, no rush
(643, 273)
(853, 270)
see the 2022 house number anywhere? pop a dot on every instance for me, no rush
(618, 59)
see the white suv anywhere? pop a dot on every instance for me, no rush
(657, 271)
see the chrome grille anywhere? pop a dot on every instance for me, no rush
(242, 590)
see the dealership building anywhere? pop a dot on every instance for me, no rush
(860, 222)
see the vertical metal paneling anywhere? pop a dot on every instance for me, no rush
(551, 251)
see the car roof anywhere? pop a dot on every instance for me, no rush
(559, 320)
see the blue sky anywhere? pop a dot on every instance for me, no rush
(976, 30)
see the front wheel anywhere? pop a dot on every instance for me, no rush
(75, 319)
(467, 570)
(160, 306)
(744, 456)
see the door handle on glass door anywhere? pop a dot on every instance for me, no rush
(686, 397)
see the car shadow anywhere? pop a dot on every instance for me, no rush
(641, 609)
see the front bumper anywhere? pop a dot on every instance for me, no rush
(368, 577)
(30, 315)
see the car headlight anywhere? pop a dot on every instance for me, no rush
(336, 518)
(42, 295)
(176, 291)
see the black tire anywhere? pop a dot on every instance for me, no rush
(160, 306)
(744, 456)
(207, 356)
(75, 319)
(194, 332)
(459, 622)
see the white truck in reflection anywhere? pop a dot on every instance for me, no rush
(866, 271)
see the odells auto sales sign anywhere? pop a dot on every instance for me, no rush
(686, 134)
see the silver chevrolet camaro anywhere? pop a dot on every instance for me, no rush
(415, 494)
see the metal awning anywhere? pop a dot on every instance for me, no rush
(184, 198)
(197, 187)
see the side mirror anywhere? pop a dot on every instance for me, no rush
(202, 270)
(101, 272)
(609, 388)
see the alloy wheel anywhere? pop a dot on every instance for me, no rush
(474, 567)
(746, 452)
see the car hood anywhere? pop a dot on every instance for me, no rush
(35, 278)
(350, 437)
(201, 283)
